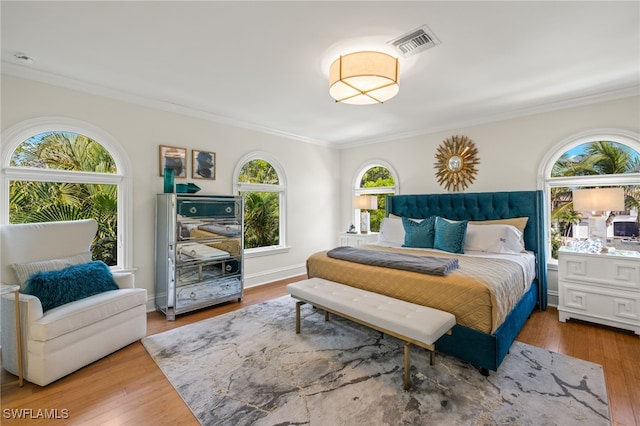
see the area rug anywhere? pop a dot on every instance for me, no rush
(249, 367)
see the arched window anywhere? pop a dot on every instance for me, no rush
(375, 177)
(56, 169)
(261, 181)
(596, 159)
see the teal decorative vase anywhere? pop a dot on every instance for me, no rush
(168, 180)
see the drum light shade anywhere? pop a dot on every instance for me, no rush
(598, 199)
(364, 78)
(365, 202)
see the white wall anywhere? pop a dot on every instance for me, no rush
(312, 171)
(510, 152)
(319, 178)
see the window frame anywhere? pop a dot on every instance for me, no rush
(357, 190)
(281, 189)
(546, 181)
(20, 132)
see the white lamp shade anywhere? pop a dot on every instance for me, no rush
(598, 199)
(364, 78)
(365, 202)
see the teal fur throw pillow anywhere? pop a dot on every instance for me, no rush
(57, 288)
(419, 234)
(450, 235)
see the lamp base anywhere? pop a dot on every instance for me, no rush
(598, 231)
(365, 217)
(598, 228)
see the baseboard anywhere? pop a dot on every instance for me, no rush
(553, 298)
(266, 277)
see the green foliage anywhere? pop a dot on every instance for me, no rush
(379, 214)
(556, 243)
(261, 219)
(261, 209)
(377, 177)
(608, 158)
(32, 201)
(600, 158)
(567, 218)
(258, 171)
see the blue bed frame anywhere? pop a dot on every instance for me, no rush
(481, 349)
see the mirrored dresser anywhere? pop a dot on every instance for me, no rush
(199, 251)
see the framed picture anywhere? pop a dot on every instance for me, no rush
(203, 165)
(173, 158)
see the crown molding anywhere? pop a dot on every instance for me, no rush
(27, 73)
(108, 92)
(612, 95)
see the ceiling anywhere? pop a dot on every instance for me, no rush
(264, 65)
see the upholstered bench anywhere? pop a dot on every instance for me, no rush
(414, 324)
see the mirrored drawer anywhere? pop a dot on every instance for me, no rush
(203, 272)
(201, 294)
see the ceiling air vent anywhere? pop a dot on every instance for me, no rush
(415, 41)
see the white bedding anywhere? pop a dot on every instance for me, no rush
(526, 260)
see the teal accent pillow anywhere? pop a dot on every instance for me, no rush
(419, 234)
(57, 288)
(450, 236)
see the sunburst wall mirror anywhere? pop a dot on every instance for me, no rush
(456, 161)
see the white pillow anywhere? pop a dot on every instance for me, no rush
(391, 231)
(25, 270)
(493, 239)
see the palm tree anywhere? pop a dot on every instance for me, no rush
(570, 217)
(31, 201)
(261, 209)
(600, 158)
(262, 222)
(609, 159)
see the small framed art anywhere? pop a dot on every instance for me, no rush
(203, 164)
(173, 158)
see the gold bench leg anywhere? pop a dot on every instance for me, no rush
(19, 341)
(407, 366)
(298, 304)
(407, 345)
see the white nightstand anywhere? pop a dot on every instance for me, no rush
(355, 240)
(600, 288)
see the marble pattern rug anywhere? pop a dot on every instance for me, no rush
(249, 367)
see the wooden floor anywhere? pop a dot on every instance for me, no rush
(127, 388)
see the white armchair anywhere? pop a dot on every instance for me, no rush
(63, 339)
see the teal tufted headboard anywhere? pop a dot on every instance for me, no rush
(484, 206)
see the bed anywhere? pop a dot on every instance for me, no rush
(491, 319)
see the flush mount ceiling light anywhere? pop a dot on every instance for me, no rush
(364, 78)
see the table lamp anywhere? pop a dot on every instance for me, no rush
(598, 201)
(365, 203)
